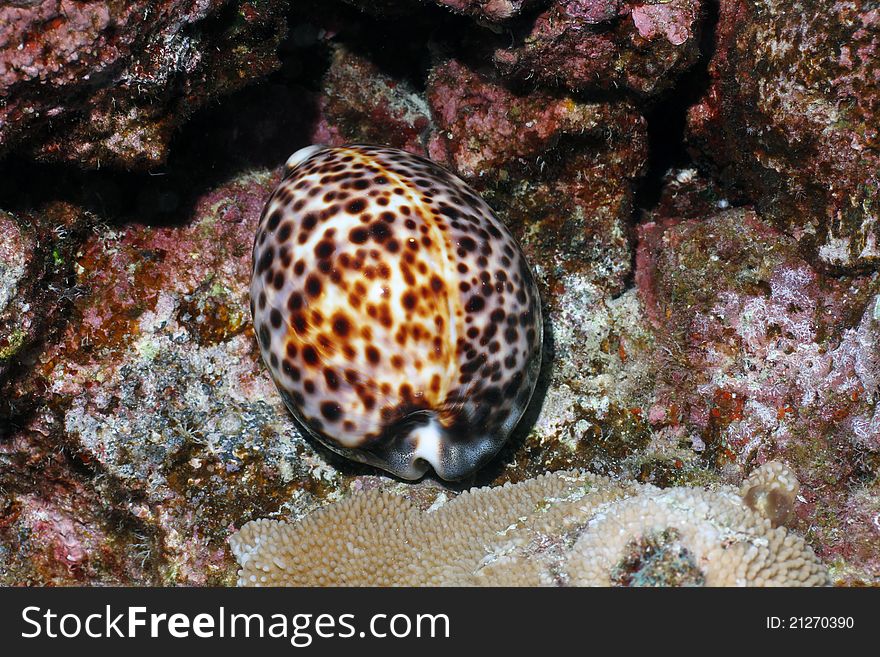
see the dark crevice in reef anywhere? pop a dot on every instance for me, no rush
(16, 412)
(667, 119)
(255, 127)
(667, 123)
(401, 47)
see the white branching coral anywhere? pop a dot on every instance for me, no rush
(566, 528)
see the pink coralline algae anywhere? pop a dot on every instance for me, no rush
(481, 10)
(482, 125)
(361, 104)
(60, 531)
(100, 83)
(607, 44)
(776, 361)
(791, 116)
(663, 20)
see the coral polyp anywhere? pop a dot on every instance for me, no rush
(397, 315)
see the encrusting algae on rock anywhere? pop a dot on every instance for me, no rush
(565, 529)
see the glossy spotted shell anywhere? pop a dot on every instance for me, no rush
(397, 315)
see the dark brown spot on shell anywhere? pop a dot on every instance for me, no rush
(310, 355)
(359, 235)
(324, 249)
(475, 304)
(341, 326)
(274, 219)
(331, 378)
(313, 285)
(356, 206)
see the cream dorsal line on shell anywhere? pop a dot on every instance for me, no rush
(397, 315)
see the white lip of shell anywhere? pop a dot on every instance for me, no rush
(429, 441)
(302, 155)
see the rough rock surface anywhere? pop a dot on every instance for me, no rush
(791, 117)
(492, 10)
(484, 10)
(774, 360)
(156, 389)
(36, 286)
(607, 45)
(396, 115)
(101, 83)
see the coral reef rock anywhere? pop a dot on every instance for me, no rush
(36, 262)
(489, 10)
(362, 105)
(155, 387)
(103, 83)
(606, 45)
(792, 118)
(774, 360)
